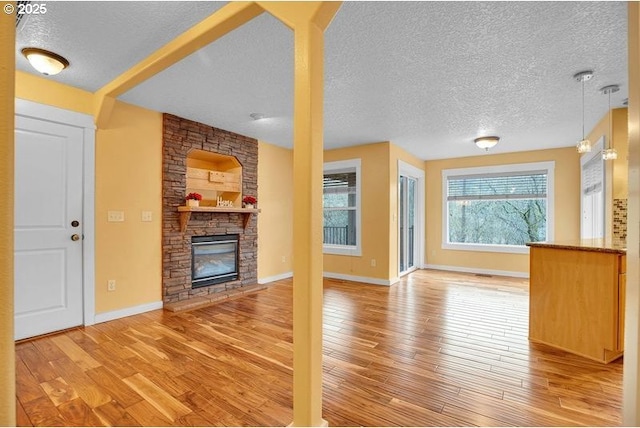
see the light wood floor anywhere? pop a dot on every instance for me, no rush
(436, 349)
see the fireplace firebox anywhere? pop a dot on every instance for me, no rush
(214, 259)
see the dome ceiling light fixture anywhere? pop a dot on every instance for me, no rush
(47, 63)
(486, 142)
(583, 145)
(610, 153)
(257, 116)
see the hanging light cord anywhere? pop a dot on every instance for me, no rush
(610, 121)
(583, 108)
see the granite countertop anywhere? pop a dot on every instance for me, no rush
(600, 245)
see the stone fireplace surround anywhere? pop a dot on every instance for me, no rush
(179, 137)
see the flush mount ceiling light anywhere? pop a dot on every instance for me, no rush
(486, 142)
(257, 116)
(45, 62)
(610, 153)
(583, 145)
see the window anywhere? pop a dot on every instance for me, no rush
(498, 208)
(341, 207)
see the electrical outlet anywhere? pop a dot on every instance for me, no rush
(373, 262)
(115, 216)
(111, 285)
(147, 216)
(284, 259)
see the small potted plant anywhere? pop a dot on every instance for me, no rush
(249, 201)
(193, 199)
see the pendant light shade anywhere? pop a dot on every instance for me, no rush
(584, 145)
(610, 153)
(47, 63)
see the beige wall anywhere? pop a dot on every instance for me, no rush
(566, 200)
(375, 213)
(275, 200)
(129, 179)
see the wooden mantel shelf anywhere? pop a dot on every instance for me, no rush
(185, 214)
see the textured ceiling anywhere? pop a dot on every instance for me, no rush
(428, 76)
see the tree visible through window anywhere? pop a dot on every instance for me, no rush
(341, 207)
(499, 208)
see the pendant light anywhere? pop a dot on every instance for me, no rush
(583, 145)
(610, 153)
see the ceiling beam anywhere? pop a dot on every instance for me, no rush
(219, 23)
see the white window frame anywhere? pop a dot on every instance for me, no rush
(348, 165)
(497, 169)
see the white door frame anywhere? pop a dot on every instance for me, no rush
(34, 110)
(409, 170)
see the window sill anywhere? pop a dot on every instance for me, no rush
(340, 250)
(489, 248)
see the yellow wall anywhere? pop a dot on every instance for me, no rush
(567, 207)
(374, 212)
(7, 350)
(45, 91)
(396, 154)
(129, 179)
(275, 200)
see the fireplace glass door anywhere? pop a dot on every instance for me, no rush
(215, 259)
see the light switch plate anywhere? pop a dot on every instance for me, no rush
(115, 216)
(147, 216)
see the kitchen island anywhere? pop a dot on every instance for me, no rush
(576, 297)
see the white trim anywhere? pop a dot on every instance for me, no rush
(273, 278)
(463, 269)
(127, 312)
(374, 281)
(348, 166)
(49, 113)
(549, 166)
(418, 174)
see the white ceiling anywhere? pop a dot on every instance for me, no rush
(428, 76)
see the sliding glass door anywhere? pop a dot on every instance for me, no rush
(407, 223)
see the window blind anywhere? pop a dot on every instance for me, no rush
(497, 186)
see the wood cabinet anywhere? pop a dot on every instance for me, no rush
(577, 299)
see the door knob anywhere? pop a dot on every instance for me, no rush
(75, 237)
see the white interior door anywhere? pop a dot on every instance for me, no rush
(47, 227)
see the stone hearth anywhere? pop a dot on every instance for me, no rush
(179, 137)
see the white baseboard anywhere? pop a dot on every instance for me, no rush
(278, 277)
(375, 281)
(464, 269)
(127, 312)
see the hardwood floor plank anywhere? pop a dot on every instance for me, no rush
(84, 386)
(42, 412)
(59, 391)
(436, 348)
(37, 363)
(27, 387)
(113, 386)
(113, 414)
(22, 419)
(78, 355)
(77, 413)
(162, 401)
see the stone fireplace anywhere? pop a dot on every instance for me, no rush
(180, 136)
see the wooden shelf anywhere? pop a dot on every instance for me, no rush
(185, 214)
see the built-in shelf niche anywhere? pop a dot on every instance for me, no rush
(214, 175)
